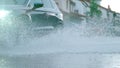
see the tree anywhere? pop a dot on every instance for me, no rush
(94, 9)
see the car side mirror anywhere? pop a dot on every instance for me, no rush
(37, 5)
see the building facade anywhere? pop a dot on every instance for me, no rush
(82, 7)
(66, 5)
(72, 6)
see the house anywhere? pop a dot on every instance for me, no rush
(74, 6)
(82, 8)
(71, 6)
(66, 5)
(106, 12)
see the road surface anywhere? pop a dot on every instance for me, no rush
(77, 45)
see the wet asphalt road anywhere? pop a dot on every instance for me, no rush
(63, 59)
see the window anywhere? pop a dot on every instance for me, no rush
(47, 3)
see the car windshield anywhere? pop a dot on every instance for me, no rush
(13, 2)
(47, 3)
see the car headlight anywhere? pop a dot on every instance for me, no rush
(60, 16)
(3, 13)
(52, 14)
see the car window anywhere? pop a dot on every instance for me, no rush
(13, 2)
(47, 3)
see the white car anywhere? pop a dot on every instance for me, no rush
(20, 16)
(39, 12)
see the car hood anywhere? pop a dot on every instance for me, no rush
(22, 8)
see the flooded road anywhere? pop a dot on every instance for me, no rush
(62, 60)
(78, 44)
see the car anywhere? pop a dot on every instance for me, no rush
(18, 17)
(35, 10)
(44, 12)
